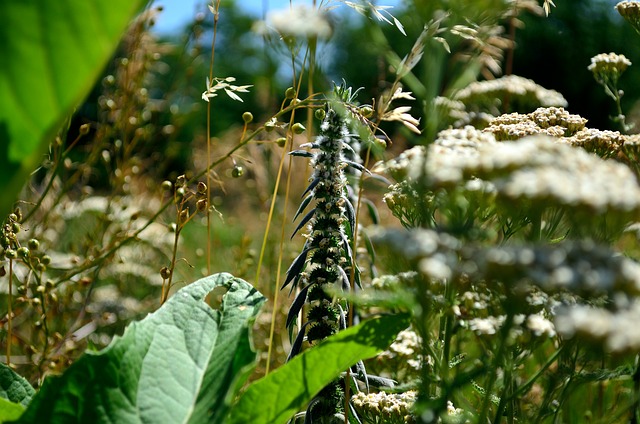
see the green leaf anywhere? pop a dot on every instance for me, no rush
(52, 52)
(9, 411)
(13, 387)
(276, 397)
(180, 364)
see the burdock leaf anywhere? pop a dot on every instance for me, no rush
(302, 223)
(278, 396)
(180, 364)
(296, 267)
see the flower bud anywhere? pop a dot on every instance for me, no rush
(290, 93)
(298, 128)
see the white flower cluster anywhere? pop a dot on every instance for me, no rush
(612, 64)
(630, 11)
(552, 121)
(581, 267)
(436, 253)
(542, 171)
(297, 21)
(406, 348)
(518, 89)
(604, 143)
(386, 407)
(618, 331)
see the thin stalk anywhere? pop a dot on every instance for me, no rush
(498, 359)
(270, 217)
(635, 409)
(10, 313)
(272, 329)
(216, 16)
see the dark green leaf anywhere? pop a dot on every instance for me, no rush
(276, 397)
(13, 387)
(52, 52)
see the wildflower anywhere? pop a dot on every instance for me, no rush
(522, 93)
(608, 66)
(616, 330)
(385, 407)
(224, 84)
(486, 326)
(298, 21)
(540, 326)
(630, 11)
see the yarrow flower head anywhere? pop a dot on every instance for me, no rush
(298, 21)
(608, 66)
(630, 11)
(385, 407)
(522, 93)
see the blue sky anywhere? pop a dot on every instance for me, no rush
(178, 12)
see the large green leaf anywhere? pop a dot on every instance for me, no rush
(9, 411)
(13, 387)
(276, 397)
(177, 365)
(52, 52)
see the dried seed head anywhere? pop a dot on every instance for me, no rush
(165, 273)
(202, 187)
(201, 205)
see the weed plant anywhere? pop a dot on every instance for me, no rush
(502, 224)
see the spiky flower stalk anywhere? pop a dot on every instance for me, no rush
(326, 259)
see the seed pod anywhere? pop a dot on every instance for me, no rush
(23, 252)
(165, 273)
(290, 93)
(201, 205)
(237, 171)
(166, 185)
(181, 181)
(202, 187)
(33, 244)
(366, 111)
(247, 117)
(320, 114)
(281, 142)
(298, 128)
